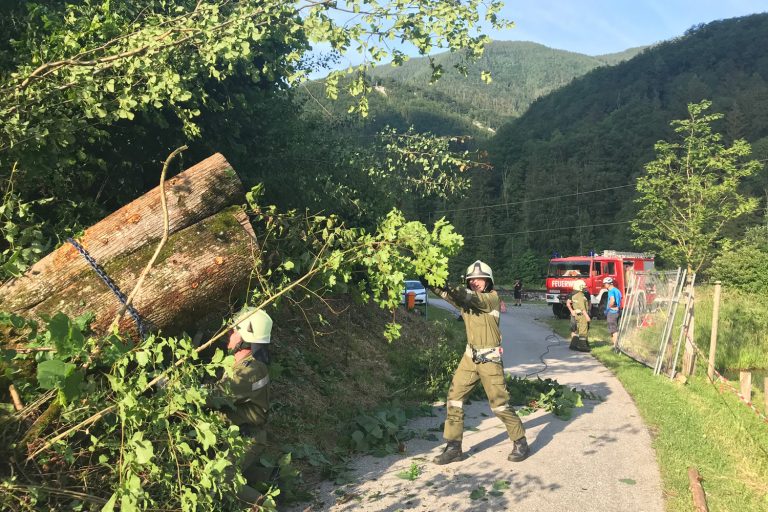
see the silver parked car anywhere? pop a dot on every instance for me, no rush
(417, 288)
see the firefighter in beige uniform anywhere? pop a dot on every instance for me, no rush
(244, 397)
(578, 305)
(479, 306)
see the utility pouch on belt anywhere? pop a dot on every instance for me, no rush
(484, 355)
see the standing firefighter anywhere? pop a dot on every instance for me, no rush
(479, 306)
(244, 397)
(578, 305)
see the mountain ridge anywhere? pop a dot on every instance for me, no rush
(521, 72)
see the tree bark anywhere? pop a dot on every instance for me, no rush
(202, 271)
(193, 195)
(697, 491)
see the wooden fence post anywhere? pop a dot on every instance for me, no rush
(713, 336)
(745, 385)
(765, 394)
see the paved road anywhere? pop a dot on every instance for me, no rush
(600, 460)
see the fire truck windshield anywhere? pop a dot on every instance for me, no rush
(568, 269)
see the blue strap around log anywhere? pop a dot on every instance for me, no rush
(111, 284)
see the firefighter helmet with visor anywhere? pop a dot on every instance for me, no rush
(255, 326)
(480, 270)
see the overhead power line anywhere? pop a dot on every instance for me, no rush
(532, 200)
(549, 229)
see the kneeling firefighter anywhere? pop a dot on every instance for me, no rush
(244, 397)
(479, 305)
(578, 305)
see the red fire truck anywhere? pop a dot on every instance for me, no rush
(621, 266)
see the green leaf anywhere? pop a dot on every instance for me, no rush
(501, 485)
(53, 373)
(205, 434)
(477, 493)
(627, 481)
(285, 460)
(71, 388)
(65, 335)
(144, 451)
(142, 358)
(109, 506)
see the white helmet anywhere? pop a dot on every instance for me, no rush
(608, 280)
(255, 326)
(579, 285)
(480, 270)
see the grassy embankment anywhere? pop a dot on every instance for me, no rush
(339, 387)
(694, 424)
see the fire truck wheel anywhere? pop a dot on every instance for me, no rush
(560, 311)
(600, 313)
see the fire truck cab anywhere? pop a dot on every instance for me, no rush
(621, 266)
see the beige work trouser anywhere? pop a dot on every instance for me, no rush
(491, 375)
(582, 326)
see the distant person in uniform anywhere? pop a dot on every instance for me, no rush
(612, 305)
(578, 306)
(244, 397)
(518, 292)
(479, 306)
(629, 276)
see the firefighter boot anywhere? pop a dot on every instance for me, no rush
(574, 342)
(520, 450)
(451, 453)
(583, 344)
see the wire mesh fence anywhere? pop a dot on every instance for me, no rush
(652, 313)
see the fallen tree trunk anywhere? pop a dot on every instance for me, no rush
(193, 195)
(200, 273)
(699, 498)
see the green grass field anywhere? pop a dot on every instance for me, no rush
(694, 424)
(743, 328)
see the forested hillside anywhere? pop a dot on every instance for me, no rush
(520, 73)
(598, 132)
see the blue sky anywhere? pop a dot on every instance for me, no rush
(606, 26)
(596, 27)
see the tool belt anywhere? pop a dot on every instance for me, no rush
(484, 355)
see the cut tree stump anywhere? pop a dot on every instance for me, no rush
(202, 270)
(192, 195)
